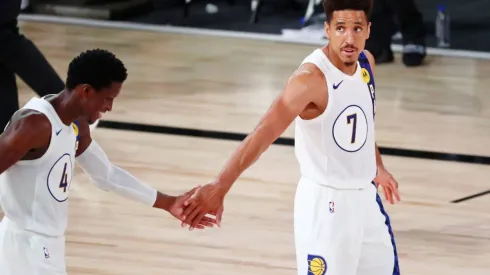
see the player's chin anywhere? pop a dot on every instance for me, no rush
(349, 62)
(93, 118)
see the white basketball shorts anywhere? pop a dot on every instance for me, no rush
(27, 253)
(342, 232)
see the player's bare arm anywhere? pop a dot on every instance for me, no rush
(305, 93)
(26, 138)
(383, 177)
(106, 176)
(301, 92)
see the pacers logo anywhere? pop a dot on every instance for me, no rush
(365, 75)
(316, 265)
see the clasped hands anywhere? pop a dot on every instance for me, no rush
(194, 207)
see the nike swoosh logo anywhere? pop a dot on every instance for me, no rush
(58, 132)
(336, 86)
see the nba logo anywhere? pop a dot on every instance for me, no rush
(331, 206)
(46, 253)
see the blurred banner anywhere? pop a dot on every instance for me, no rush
(96, 9)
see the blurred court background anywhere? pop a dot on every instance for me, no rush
(201, 74)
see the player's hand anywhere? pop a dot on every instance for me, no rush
(178, 206)
(207, 199)
(389, 184)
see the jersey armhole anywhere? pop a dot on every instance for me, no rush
(28, 162)
(329, 98)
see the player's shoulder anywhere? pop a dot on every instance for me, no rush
(28, 128)
(306, 84)
(308, 74)
(370, 58)
(30, 120)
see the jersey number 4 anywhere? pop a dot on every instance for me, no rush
(352, 119)
(64, 179)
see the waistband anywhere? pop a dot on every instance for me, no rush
(9, 224)
(340, 185)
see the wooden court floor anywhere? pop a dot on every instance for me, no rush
(225, 84)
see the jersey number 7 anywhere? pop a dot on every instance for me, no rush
(352, 119)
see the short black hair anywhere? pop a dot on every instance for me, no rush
(97, 68)
(330, 6)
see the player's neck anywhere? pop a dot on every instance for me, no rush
(338, 63)
(66, 107)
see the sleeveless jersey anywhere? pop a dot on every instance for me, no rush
(337, 148)
(34, 193)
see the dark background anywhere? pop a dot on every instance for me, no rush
(470, 19)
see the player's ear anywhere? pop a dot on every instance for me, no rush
(368, 30)
(86, 90)
(327, 29)
(79, 90)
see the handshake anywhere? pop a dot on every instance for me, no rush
(194, 207)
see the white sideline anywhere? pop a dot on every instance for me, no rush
(220, 33)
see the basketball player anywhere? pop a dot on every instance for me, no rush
(340, 225)
(39, 148)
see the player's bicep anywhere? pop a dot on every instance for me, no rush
(300, 91)
(26, 131)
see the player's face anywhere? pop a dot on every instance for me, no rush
(96, 103)
(347, 32)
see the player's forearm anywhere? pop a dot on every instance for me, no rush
(124, 184)
(164, 201)
(109, 177)
(247, 154)
(379, 161)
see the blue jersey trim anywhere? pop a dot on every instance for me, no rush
(366, 68)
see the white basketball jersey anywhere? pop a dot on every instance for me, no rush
(337, 148)
(34, 193)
